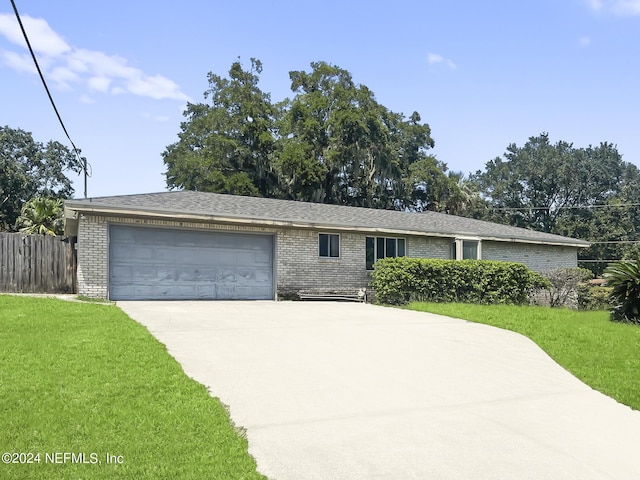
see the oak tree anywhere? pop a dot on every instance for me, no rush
(31, 169)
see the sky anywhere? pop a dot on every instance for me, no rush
(482, 74)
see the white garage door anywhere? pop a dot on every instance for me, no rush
(153, 263)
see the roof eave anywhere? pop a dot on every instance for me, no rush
(261, 222)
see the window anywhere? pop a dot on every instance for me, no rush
(383, 247)
(466, 249)
(469, 250)
(329, 245)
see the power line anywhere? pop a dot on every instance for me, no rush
(568, 207)
(53, 104)
(613, 242)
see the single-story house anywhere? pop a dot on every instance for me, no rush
(200, 245)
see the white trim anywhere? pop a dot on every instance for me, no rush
(459, 242)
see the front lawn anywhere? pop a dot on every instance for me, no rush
(601, 353)
(79, 378)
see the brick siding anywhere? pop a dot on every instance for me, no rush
(429, 247)
(297, 262)
(300, 267)
(536, 257)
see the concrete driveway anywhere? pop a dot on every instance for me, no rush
(352, 391)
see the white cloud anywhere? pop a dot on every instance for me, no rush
(155, 87)
(595, 4)
(42, 38)
(434, 58)
(65, 64)
(102, 64)
(20, 63)
(100, 84)
(619, 7)
(63, 76)
(156, 118)
(84, 98)
(628, 7)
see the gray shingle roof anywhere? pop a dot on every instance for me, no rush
(266, 211)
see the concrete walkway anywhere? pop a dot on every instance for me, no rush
(352, 391)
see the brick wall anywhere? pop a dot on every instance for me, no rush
(297, 262)
(536, 257)
(429, 247)
(300, 267)
(93, 252)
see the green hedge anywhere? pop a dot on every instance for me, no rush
(594, 298)
(401, 280)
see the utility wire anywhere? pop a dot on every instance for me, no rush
(614, 242)
(568, 207)
(83, 160)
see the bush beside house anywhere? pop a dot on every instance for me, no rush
(401, 280)
(593, 297)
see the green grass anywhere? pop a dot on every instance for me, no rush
(603, 354)
(80, 377)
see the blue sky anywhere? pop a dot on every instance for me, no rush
(483, 74)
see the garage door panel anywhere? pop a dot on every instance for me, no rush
(143, 291)
(264, 277)
(252, 293)
(226, 292)
(206, 291)
(246, 276)
(120, 272)
(262, 259)
(119, 292)
(207, 275)
(222, 257)
(143, 273)
(148, 263)
(226, 276)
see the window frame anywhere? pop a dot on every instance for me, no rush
(328, 236)
(457, 248)
(381, 243)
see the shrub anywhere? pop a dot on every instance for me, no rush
(563, 283)
(624, 280)
(594, 298)
(403, 279)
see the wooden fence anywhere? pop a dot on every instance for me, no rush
(37, 263)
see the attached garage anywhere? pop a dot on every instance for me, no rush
(171, 264)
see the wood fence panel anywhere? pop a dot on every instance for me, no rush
(37, 263)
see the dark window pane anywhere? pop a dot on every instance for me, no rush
(469, 250)
(401, 247)
(323, 242)
(391, 247)
(379, 247)
(370, 252)
(453, 251)
(334, 246)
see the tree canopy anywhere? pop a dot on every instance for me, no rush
(586, 193)
(332, 142)
(31, 169)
